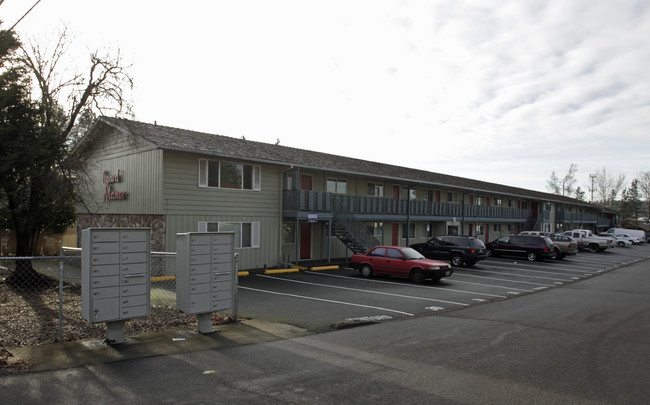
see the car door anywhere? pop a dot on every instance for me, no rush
(377, 260)
(445, 248)
(395, 263)
(434, 249)
(502, 245)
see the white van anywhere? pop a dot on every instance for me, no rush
(639, 236)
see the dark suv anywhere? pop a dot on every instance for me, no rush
(458, 250)
(531, 247)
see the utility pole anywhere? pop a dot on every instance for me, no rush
(592, 177)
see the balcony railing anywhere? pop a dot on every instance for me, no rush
(320, 201)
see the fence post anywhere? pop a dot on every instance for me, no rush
(60, 291)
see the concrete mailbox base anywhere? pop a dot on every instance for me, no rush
(205, 323)
(115, 332)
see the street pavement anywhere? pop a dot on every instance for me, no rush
(584, 343)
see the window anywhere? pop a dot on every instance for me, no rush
(452, 229)
(480, 230)
(247, 234)
(497, 228)
(411, 230)
(376, 228)
(511, 228)
(394, 254)
(410, 192)
(429, 195)
(428, 230)
(288, 232)
(498, 202)
(336, 186)
(375, 190)
(237, 176)
(480, 200)
(452, 197)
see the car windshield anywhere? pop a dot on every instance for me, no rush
(410, 253)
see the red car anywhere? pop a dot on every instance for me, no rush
(399, 261)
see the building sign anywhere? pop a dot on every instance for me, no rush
(312, 217)
(108, 180)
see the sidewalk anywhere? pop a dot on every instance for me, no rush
(64, 355)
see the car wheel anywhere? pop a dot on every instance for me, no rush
(531, 256)
(417, 275)
(555, 254)
(457, 260)
(366, 271)
(593, 248)
(621, 244)
(489, 252)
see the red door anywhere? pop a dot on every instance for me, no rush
(305, 240)
(395, 234)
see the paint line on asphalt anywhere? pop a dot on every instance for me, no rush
(361, 290)
(324, 300)
(410, 285)
(525, 275)
(500, 279)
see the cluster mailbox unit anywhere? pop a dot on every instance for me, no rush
(206, 280)
(115, 277)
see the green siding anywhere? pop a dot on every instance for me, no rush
(140, 177)
(186, 204)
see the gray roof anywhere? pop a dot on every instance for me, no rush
(169, 138)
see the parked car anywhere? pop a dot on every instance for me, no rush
(535, 233)
(399, 261)
(531, 247)
(624, 240)
(458, 250)
(564, 246)
(638, 235)
(587, 240)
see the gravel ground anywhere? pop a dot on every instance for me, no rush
(31, 317)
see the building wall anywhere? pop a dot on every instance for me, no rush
(186, 204)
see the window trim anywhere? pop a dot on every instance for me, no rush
(255, 232)
(204, 180)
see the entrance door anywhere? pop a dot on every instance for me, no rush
(305, 240)
(395, 238)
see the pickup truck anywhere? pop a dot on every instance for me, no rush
(587, 240)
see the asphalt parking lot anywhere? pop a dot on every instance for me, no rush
(332, 299)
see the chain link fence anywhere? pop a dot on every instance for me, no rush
(40, 300)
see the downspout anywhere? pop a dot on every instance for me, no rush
(408, 214)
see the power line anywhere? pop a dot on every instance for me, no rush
(24, 15)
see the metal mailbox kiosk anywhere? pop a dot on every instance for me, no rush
(115, 277)
(205, 274)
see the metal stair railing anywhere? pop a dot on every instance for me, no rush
(349, 230)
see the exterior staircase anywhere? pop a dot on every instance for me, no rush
(349, 230)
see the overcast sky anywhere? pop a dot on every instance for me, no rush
(501, 91)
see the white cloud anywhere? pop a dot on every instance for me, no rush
(493, 90)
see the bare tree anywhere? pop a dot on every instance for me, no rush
(566, 185)
(644, 189)
(42, 198)
(608, 187)
(64, 97)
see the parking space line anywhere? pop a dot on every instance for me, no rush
(491, 285)
(500, 279)
(366, 291)
(412, 285)
(523, 275)
(566, 270)
(324, 300)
